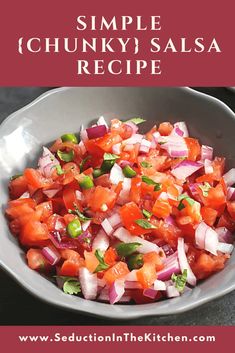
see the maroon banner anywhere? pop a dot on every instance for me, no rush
(23, 339)
(81, 43)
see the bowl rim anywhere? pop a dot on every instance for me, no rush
(97, 311)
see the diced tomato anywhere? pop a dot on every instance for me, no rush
(34, 233)
(110, 256)
(94, 149)
(18, 187)
(209, 215)
(206, 264)
(216, 198)
(73, 261)
(70, 199)
(91, 261)
(119, 270)
(187, 227)
(155, 259)
(129, 213)
(103, 180)
(36, 261)
(36, 179)
(71, 170)
(107, 141)
(102, 199)
(165, 128)
(161, 208)
(167, 232)
(44, 210)
(135, 191)
(194, 149)
(192, 210)
(226, 221)
(20, 207)
(218, 170)
(146, 275)
(55, 221)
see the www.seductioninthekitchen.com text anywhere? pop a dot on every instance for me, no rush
(129, 337)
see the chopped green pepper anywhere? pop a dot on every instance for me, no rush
(129, 172)
(97, 172)
(135, 261)
(86, 182)
(69, 138)
(74, 228)
(66, 156)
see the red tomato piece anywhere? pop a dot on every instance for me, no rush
(129, 213)
(119, 270)
(102, 199)
(146, 275)
(36, 261)
(194, 148)
(34, 233)
(18, 187)
(165, 128)
(36, 179)
(209, 215)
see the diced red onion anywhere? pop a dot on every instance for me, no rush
(231, 194)
(47, 162)
(78, 195)
(145, 146)
(101, 121)
(156, 136)
(181, 125)
(96, 131)
(82, 147)
(124, 163)
(124, 194)
(86, 225)
(225, 248)
(25, 195)
(167, 250)
(150, 293)
(183, 262)
(185, 169)
(89, 284)
(159, 285)
(104, 296)
(176, 131)
(145, 247)
(83, 134)
(136, 138)
(117, 148)
(115, 220)
(194, 191)
(107, 227)
(224, 235)
(133, 126)
(174, 145)
(153, 144)
(60, 224)
(211, 241)
(132, 285)
(200, 235)
(167, 272)
(62, 242)
(51, 254)
(206, 153)
(116, 291)
(116, 174)
(101, 241)
(208, 166)
(229, 177)
(50, 193)
(172, 292)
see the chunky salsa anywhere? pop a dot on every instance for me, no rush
(120, 216)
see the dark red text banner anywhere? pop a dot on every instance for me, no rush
(99, 43)
(57, 339)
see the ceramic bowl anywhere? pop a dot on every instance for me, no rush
(64, 110)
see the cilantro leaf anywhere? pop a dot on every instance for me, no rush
(110, 157)
(185, 197)
(147, 180)
(180, 280)
(15, 176)
(136, 121)
(102, 265)
(205, 189)
(144, 224)
(71, 284)
(145, 164)
(83, 162)
(126, 249)
(59, 170)
(71, 287)
(147, 214)
(79, 214)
